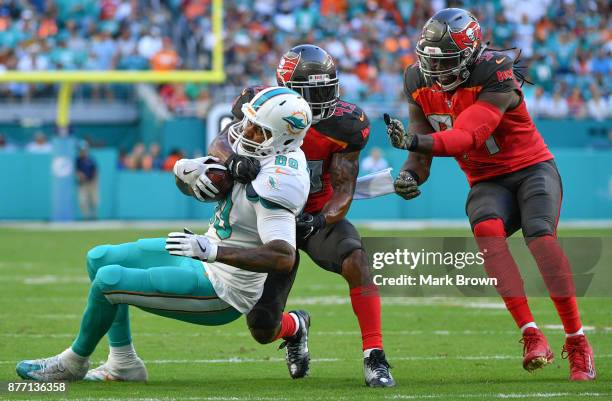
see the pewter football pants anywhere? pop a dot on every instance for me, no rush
(143, 274)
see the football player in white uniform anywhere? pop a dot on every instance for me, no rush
(209, 279)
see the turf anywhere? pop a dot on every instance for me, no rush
(444, 349)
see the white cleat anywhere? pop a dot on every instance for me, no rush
(134, 372)
(51, 369)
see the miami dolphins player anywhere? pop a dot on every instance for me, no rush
(209, 279)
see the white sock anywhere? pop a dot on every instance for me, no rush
(366, 353)
(528, 325)
(578, 333)
(123, 355)
(297, 323)
(72, 358)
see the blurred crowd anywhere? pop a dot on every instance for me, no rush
(148, 158)
(566, 44)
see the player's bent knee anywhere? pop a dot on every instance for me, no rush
(355, 268)
(94, 258)
(490, 228)
(538, 228)
(108, 277)
(261, 320)
(263, 336)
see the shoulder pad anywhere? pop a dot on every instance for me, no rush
(245, 96)
(279, 185)
(494, 72)
(349, 127)
(413, 81)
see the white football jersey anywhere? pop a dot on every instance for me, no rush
(253, 215)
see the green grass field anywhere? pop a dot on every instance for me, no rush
(440, 349)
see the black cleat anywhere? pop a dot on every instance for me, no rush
(376, 370)
(296, 353)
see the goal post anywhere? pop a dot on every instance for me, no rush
(66, 79)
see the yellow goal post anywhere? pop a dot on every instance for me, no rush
(68, 78)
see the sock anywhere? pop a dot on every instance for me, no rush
(289, 326)
(366, 306)
(557, 274)
(97, 319)
(527, 326)
(366, 353)
(499, 263)
(578, 333)
(123, 355)
(71, 358)
(519, 309)
(120, 334)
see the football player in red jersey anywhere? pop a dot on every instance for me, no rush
(465, 102)
(332, 146)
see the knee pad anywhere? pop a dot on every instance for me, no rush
(490, 228)
(263, 319)
(94, 259)
(538, 227)
(108, 277)
(347, 246)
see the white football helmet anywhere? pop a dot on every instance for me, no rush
(284, 117)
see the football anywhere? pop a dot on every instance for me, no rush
(222, 180)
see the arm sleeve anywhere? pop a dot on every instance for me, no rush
(472, 128)
(275, 224)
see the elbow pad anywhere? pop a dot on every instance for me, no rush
(471, 129)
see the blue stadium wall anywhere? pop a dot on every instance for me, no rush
(28, 185)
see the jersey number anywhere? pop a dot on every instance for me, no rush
(281, 160)
(441, 122)
(316, 171)
(221, 219)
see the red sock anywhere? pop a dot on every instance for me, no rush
(366, 305)
(519, 309)
(288, 327)
(557, 274)
(499, 263)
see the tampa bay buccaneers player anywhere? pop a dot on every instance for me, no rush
(332, 145)
(465, 102)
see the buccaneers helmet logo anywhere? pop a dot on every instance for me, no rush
(286, 67)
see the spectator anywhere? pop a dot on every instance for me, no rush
(39, 144)
(5, 146)
(597, 106)
(374, 162)
(152, 160)
(150, 43)
(576, 105)
(558, 106)
(166, 59)
(87, 176)
(538, 105)
(174, 156)
(134, 161)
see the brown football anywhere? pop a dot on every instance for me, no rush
(221, 179)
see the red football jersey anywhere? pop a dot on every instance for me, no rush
(347, 130)
(515, 143)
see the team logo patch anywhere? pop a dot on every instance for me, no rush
(286, 67)
(273, 183)
(296, 122)
(467, 36)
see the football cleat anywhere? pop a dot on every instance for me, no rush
(376, 370)
(296, 347)
(51, 369)
(135, 372)
(580, 355)
(536, 351)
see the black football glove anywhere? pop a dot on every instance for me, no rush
(406, 185)
(308, 225)
(243, 169)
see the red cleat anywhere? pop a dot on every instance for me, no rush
(536, 351)
(580, 354)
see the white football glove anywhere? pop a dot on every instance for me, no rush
(191, 245)
(193, 173)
